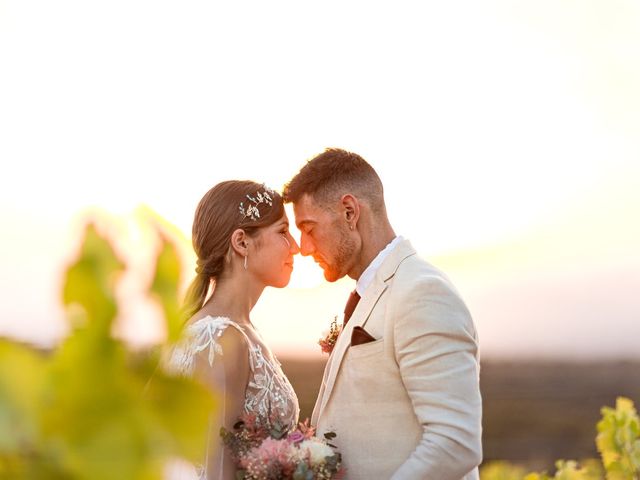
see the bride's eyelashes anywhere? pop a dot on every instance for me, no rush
(285, 234)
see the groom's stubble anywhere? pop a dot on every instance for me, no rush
(343, 256)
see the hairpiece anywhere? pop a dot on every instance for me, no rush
(261, 197)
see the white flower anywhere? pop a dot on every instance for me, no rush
(317, 450)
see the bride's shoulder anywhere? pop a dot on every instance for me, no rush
(210, 323)
(210, 329)
(209, 337)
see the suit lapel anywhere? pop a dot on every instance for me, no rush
(359, 318)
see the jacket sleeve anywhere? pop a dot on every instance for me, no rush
(436, 350)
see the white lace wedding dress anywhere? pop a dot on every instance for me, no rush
(268, 393)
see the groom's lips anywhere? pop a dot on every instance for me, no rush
(321, 263)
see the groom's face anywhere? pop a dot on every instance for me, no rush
(324, 234)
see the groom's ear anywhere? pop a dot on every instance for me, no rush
(350, 209)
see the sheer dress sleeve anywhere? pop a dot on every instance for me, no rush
(218, 357)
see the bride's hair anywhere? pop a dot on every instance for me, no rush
(217, 216)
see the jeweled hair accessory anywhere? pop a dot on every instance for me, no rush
(261, 197)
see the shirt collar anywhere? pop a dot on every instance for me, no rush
(370, 272)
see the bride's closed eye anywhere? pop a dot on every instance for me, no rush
(285, 234)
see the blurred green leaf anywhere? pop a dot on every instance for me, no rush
(21, 373)
(179, 411)
(165, 286)
(501, 470)
(569, 470)
(90, 281)
(537, 476)
(89, 410)
(618, 440)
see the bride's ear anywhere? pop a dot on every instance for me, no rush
(240, 242)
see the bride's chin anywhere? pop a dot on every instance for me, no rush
(282, 283)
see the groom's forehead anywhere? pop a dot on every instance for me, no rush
(307, 210)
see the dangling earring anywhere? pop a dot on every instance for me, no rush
(245, 261)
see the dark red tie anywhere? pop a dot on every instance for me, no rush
(354, 298)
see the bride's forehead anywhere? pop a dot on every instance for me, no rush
(278, 224)
(284, 220)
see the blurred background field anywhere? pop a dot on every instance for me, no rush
(534, 413)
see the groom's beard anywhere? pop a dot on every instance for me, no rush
(343, 257)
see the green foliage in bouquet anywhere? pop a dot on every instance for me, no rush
(88, 409)
(618, 442)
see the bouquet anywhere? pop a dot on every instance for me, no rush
(273, 453)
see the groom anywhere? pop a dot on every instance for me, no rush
(400, 388)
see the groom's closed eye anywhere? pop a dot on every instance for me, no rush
(305, 227)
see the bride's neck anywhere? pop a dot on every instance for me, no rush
(233, 297)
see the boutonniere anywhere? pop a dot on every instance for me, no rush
(329, 340)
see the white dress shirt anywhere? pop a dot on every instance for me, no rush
(370, 272)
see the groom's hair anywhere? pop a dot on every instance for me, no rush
(333, 173)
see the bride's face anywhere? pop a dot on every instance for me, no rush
(272, 262)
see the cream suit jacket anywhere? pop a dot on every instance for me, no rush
(406, 406)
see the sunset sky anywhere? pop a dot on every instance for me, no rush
(507, 135)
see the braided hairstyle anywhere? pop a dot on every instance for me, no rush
(217, 217)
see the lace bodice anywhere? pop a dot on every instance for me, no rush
(268, 394)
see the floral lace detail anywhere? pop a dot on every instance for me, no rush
(269, 394)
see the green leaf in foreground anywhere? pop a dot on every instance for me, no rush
(90, 281)
(165, 286)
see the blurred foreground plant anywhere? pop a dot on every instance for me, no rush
(88, 410)
(618, 442)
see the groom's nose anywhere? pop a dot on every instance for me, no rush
(306, 245)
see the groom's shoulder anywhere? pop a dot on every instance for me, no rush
(416, 265)
(416, 273)
(420, 286)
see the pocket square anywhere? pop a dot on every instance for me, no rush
(359, 336)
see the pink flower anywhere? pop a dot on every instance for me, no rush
(306, 429)
(296, 436)
(271, 457)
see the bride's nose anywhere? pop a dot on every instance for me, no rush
(293, 245)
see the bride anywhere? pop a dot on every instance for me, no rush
(243, 244)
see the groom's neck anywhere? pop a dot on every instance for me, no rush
(375, 237)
